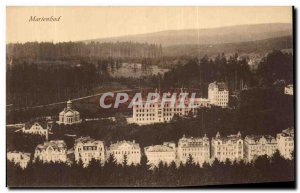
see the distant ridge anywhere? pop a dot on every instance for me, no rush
(258, 47)
(220, 35)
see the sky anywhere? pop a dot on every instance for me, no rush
(83, 23)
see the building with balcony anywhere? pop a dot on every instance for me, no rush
(51, 151)
(285, 142)
(259, 145)
(198, 148)
(131, 149)
(165, 153)
(86, 149)
(227, 147)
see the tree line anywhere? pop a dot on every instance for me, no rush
(79, 50)
(111, 174)
(233, 70)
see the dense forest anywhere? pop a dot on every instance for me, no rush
(28, 84)
(233, 70)
(111, 174)
(79, 50)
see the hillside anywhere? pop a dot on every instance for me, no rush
(259, 47)
(221, 35)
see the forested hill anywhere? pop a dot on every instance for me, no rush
(78, 50)
(221, 35)
(259, 47)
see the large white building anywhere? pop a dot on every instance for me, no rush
(131, 149)
(258, 145)
(86, 149)
(165, 153)
(69, 116)
(285, 141)
(218, 94)
(159, 112)
(289, 89)
(20, 158)
(197, 147)
(52, 151)
(227, 147)
(37, 128)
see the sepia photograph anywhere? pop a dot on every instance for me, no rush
(150, 96)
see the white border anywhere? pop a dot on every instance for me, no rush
(5, 3)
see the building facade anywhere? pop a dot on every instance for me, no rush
(165, 153)
(289, 89)
(229, 147)
(218, 94)
(131, 149)
(285, 142)
(37, 128)
(86, 149)
(20, 158)
(52, 151)
(69, 116)
(259, 145)
(163, 110)
(198, 148)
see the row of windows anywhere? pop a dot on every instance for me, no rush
(51, 152)
(260, 147)
(252, 152)
(228, 153)
(195, 154)
(145, 119)
(162, 156)
(125, 152)
(143, 115)
(196, 149)
(90, 154)
(165, 110)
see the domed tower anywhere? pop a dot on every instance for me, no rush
(69, 104)
(69, 116)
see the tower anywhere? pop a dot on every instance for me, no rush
(69, 104)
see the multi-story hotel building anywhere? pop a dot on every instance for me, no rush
(163, 110)
(20, 158)
(228, 147)
(258, 145)
(69, 116)
(52, 151)
(218, 94)
(165, 153)
(285, 142)
(198, 148)
(86, 149)
(131, 149)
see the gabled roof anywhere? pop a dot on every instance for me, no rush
(159, 148)
(225, 139)
(288, 132)
(120, 143)
(43, 123)
(55, 144)
(84, 140)
(253, 139)
(68, 112)
(220, 85)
